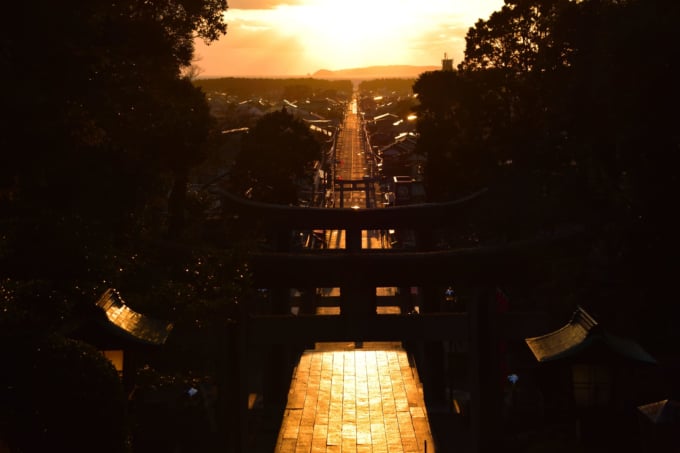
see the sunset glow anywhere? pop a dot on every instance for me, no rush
(270, 38)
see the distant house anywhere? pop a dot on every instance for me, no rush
(321, 125)
(325, 108)
(384, 125)
(399, 157)
(251, 109)
(385, 118)
(312, 113)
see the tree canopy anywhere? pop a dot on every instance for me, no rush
(284, 88)
(277, 153)
(59, 394)
(101, 131)
(100, 122)
(565, 110)
(90, 90)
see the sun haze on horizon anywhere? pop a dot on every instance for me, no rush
(270, 38)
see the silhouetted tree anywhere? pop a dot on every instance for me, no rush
(59, 394)
(88, 88)
(277, 153)
(100, 126)
(456, 114)
(102, 133)
(275, 88)
(570, 108)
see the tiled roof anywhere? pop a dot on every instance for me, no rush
(579, 334)
(664, 411)
(404, 144)
(129, 322)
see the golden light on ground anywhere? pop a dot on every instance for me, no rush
(367, 399)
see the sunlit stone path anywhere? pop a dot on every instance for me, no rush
(355, 400)
(344, 398)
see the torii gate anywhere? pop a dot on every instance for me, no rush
(367, 185)
(359, 271)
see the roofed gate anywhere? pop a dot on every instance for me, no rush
(359, 271)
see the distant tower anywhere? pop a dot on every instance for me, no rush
(447, 63)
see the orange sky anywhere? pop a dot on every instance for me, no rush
(298, 37)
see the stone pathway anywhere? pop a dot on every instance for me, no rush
(355, 400)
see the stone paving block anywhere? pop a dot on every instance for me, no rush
(364, 437)
(319, 447)
(286, 446)
(411, 446)
(334, 435)
(302, 446)
(349, 445)
(395, 447)
(320, 432)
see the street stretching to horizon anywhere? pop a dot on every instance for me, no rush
(355, 397)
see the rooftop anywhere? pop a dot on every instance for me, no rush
(130, 323)
(581, 334)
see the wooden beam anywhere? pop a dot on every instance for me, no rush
(335, 301)
(291, 329)
(521, 261)
(306, 218)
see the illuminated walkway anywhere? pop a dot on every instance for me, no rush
(355, 400)
(347, 399)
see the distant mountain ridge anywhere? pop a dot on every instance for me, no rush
(373, 72)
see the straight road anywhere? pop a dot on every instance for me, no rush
(348, 397)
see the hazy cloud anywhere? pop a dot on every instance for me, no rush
(262, 4)
(440, 39)
(296, 37)
(251, 48)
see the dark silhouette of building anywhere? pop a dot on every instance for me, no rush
(447, 64)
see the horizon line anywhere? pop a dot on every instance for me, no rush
(329, 73)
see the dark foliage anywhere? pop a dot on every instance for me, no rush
(291, 89)
(102, 132)
(387, 86)
(100, 136)
(277, 153)
(59, 395)
(565, 111)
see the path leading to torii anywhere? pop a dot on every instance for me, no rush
(355, 400)
(346, 397)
